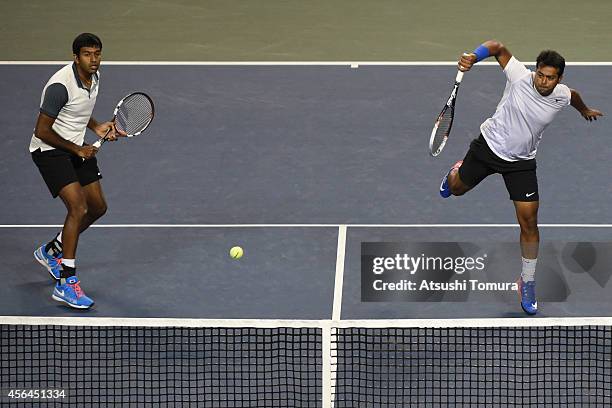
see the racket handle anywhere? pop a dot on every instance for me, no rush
(459, 76)
(460, 73)
(100, 141)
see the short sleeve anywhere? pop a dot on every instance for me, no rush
(565, 92)
(56, 96)
(515, 70)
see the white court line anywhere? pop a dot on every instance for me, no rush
(310, 225)
(324, 323)
(476, 225)
(178, 226)
(295, 63)
(339, 281)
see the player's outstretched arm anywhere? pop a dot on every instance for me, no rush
(487, 49)
(586, 112)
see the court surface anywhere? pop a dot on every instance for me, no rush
(302, 160)
(281, 160)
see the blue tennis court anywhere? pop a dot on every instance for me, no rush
(301, 164)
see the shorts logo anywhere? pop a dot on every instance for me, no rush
(529, 195)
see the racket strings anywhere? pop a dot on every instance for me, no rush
(134, 114)
(444, 126)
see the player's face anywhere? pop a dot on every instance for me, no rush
(89, 59)
(546, 78)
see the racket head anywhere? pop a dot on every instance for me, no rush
(134, 113)
(441, 130)
(444, 122)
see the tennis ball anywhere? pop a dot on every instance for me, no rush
(236, 252)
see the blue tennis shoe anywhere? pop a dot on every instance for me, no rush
(51, 263)
(528, 296)
(444, 188)
(71, 294)
(445, 191)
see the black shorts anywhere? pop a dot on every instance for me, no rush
(59, 168)
(520, 176)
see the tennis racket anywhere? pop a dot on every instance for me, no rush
(133, 114)
(444, 122)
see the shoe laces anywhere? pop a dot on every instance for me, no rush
(528, 289)
(78, 290)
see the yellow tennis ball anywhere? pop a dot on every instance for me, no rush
(236, 252)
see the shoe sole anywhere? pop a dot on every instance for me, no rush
(528, 313)
(59, 299)
(44, 264)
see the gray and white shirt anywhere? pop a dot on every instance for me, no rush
(515, 129)
(70, 103)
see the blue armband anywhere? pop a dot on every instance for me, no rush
(481, 52)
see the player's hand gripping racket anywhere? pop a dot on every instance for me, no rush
(133, 114)
(444, 123)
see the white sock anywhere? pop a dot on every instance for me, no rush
(59, 237)
(71, 263)
(529, 268)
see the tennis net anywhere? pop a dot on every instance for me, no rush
(61, 362)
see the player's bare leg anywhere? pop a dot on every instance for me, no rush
(96, 204)
(68, 289)
(527, 215)
(75, 201)
(51, 254)
(457, 187)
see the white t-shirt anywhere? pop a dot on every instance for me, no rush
(70, 103)
(515, 130)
